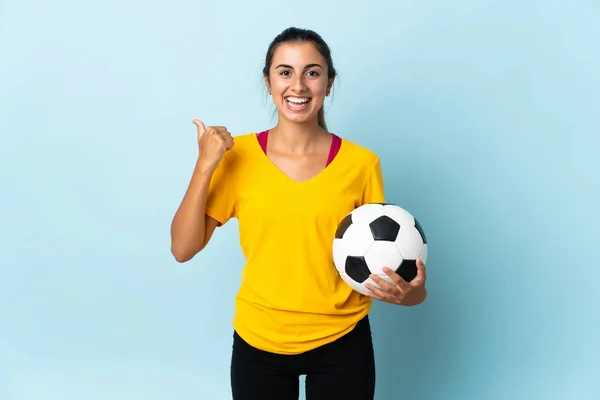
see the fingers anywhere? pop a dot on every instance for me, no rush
(385, 285)
(220, 133)
(229, 142)
(200, 125)
(225, 140)
(213, 130)
(394, 276)
(374, 292)
(217, 130)
(421, 274)
(385, 292)
(395, 292)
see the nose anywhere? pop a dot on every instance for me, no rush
(298, 83)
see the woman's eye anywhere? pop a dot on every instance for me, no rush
(309, 73)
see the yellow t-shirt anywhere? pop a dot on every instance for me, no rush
(291, 298)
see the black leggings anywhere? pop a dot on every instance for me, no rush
(344, 369)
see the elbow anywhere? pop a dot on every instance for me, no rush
(181, 255)
(180, 258)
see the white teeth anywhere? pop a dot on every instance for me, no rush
(299, 100)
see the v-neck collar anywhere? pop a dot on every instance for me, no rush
(320, 175)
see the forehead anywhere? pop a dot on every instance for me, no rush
(297, 54)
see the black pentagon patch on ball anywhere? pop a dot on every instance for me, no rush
(357, 268)
(421, 231)
(407, 270)
(343, 226)
(384, 228)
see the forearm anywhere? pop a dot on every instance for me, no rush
(188, 229)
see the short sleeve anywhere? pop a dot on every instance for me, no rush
(221, 199)
(374, 188)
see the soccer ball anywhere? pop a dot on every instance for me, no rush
(374, 236)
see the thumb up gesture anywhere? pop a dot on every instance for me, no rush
(213, 142)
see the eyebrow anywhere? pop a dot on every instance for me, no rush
(289, 66)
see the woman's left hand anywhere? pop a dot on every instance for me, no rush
(402, 293)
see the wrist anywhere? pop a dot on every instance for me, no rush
(415, 297)
(203, 170)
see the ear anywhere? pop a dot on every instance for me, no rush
(267, 84)
(330, 85)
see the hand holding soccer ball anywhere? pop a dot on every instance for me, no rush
(380, 250)
(401, 292)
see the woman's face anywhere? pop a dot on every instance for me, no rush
(298, 81)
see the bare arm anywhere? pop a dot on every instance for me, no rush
(191, 228)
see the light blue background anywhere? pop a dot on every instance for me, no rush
(486, 116)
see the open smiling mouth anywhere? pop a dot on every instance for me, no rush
(297, 103)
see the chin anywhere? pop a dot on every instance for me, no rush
(301, 117)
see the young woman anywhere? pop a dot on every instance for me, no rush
(289, 187)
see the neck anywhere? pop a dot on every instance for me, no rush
(297, 138)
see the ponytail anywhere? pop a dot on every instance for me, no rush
(321, 118)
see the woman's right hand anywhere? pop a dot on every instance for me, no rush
(213, 142)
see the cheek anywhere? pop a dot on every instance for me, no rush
(319, 88)
(277, 88)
